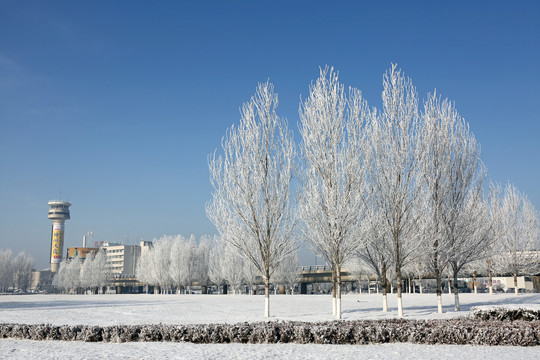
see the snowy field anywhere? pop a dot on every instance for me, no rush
(203, 309)
(188, 309)
(28, 349)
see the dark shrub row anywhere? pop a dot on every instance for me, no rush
(454, 331)
(503, 313)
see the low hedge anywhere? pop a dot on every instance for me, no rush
(505, 313)
(462, 331)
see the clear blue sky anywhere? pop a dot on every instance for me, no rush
(115, 105)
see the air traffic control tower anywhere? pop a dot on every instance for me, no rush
(58, 213)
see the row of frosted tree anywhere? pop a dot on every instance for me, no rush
(392, 187)
(79, 276)
(176, 263)
(15, 272)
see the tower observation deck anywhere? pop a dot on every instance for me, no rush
(58, 213)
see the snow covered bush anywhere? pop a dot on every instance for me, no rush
(506, 313)
(463, 331)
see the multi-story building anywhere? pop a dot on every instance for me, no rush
(123, 259)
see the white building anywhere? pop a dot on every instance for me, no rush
(123, 259)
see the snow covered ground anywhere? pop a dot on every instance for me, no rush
(27, 349)
(187, 309)
(190, 309)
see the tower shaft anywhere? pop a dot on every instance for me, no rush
(58, 213)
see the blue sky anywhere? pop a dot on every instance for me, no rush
(115, 105)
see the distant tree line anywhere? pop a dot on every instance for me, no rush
(15, 272)
(176, 263)
(78, 276)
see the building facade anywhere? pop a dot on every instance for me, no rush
(122, 260)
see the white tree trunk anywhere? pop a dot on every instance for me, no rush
(400, 307)
(456, 300)
(384, 303)
(267, 298)
(439, 304)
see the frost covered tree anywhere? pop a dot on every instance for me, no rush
(188, 261)
(6, 269)
(86, 273)
(99, 269)
(453, 177)
(144, 271)
(438, 135)
(160, 264)
(251, 202)
(288, 273)
(181, 253)
(202, 262)
(22, 271)
(395, 171)
(94, 271)
(216, 263)
(375, 251)
(232, 267)
(517, 230)
(469, 236)
(68, 277)
(334, 152)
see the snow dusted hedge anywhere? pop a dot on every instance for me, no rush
(506, 313)
(455, 331)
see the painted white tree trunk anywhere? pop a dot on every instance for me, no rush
(456, 300)
(334, 305)
(266, 306)
(338, 309)
(384, 304)
(400, 307)
(439, 304)
(490, 290)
